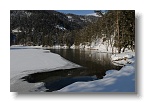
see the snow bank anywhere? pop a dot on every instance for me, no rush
(123, 58)
(56, 47)
(114, 81)
(64, 47)
(33, 60)
(59, 47)
(73, 46)
(99, 44)
(25, 47)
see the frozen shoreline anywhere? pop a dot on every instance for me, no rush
(29, 60)
(114, 81)
(26, 60)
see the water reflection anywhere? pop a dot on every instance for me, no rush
(94, 66)
(86, 58)
(58, 79)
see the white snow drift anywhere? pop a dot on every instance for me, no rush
(28, 59)
(123, 58)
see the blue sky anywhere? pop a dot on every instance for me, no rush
(78, 12)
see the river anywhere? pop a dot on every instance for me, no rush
(94, 66)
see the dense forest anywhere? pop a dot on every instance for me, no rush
(49, 28)
(45, 27)
(117, 27)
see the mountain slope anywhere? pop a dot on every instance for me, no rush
(45, 27)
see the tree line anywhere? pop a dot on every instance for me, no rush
(117, 23)
(39, 28)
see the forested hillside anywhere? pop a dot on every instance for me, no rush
(49, 27)
(113, 29)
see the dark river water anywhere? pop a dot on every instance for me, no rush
(94, 66)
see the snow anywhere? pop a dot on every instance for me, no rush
(123, 58)
(24, 60)
(83, 19)
(16, 30)
(114, 81)
(69, 17)
(25, 47)
(64, 47)
(60, 27)
(73, 46)
(98, 44)
(93, 14)
(56, 47)
(101, 45)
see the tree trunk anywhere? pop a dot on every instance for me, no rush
(117, 26)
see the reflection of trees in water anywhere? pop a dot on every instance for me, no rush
(101, 58)
(58, 79)
(95, 66)
(86, 58)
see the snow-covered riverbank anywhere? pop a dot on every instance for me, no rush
(123, 58)
(26, 60)
(114, 81)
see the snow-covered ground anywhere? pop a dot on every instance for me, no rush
(28, 59)
(99, 45)
(25, 47)
(114, 81)
(25, 60)
(123, 58)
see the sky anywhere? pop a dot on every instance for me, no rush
(78, 12)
